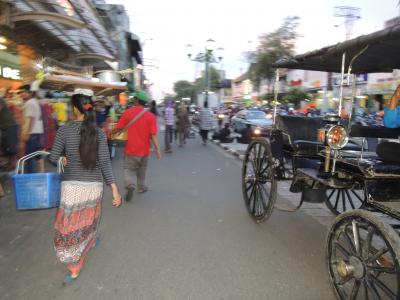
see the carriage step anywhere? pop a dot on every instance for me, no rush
(330, 182)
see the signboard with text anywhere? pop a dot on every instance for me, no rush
(9, 73)
(360, 79)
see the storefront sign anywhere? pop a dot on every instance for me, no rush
(360, 79)
(10, 73)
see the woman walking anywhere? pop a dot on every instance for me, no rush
(206, 122)
(86, 162)
(182, 124)
(153, 108)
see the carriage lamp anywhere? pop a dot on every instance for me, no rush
(336, 137)
(221, 116)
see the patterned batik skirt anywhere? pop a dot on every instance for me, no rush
(77, 219)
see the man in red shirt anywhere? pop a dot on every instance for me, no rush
(137, 148)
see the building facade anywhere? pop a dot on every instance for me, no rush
(74, 32)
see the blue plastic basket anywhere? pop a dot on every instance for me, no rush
(36, 190)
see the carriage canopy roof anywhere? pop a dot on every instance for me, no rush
(382, 54)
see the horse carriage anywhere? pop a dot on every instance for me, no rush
(314, 153)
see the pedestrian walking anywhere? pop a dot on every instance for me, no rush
(182, 124)
(142, 128)
(33, 129)
(206, 122)
(169, 117)
(9, 135)
(86, 162)
(153, 108)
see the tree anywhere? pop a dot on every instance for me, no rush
(273, 46)
(184, 89)
(214, 81)
(295, 95)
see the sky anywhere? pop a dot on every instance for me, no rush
(166, 27)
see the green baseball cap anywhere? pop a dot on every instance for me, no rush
(141, 95)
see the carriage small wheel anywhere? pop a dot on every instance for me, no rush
(342, 200)
(362, 253)
(258, 181)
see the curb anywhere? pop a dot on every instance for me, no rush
(222, 146)
(228, 149)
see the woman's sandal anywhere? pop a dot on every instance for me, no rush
(69, 278)
(143, 190)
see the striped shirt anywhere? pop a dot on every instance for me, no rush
(169, 116)
(67, 143)
(206, 119)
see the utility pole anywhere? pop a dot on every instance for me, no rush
(350, 15)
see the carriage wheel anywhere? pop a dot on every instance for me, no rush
(362, 254)
(258, 181)
(341, 200)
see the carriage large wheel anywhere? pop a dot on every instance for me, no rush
(258, 181)
(363, 254)
(342, 200)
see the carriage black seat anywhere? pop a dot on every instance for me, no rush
(299, 128)
(374, 132)
(374, 167)
(300, 133)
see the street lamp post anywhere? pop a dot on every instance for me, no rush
(207, 58)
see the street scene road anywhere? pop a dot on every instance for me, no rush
(227, 150)
(188, 237)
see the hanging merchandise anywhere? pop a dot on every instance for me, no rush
(49, 125)
(61, 112)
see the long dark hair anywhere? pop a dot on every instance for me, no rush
(88, 146)
(153, 108)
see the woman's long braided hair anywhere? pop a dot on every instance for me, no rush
(89, 144)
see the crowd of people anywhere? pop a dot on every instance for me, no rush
(82, 147)
(177, 125)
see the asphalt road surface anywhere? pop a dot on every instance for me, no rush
(188, 237)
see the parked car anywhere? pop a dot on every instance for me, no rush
(256, 118)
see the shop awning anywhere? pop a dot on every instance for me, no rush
(381, 55)
(69, 83)
(48, 16)
(95, 56)
(135, 48)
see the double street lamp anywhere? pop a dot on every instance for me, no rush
(210, 55)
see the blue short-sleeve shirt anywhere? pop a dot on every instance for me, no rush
(391, 118)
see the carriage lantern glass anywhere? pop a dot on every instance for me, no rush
(336, 137)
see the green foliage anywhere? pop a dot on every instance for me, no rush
(295, 95)
(268, 96)
(184, 89)
(273, 46)
(200, 85)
